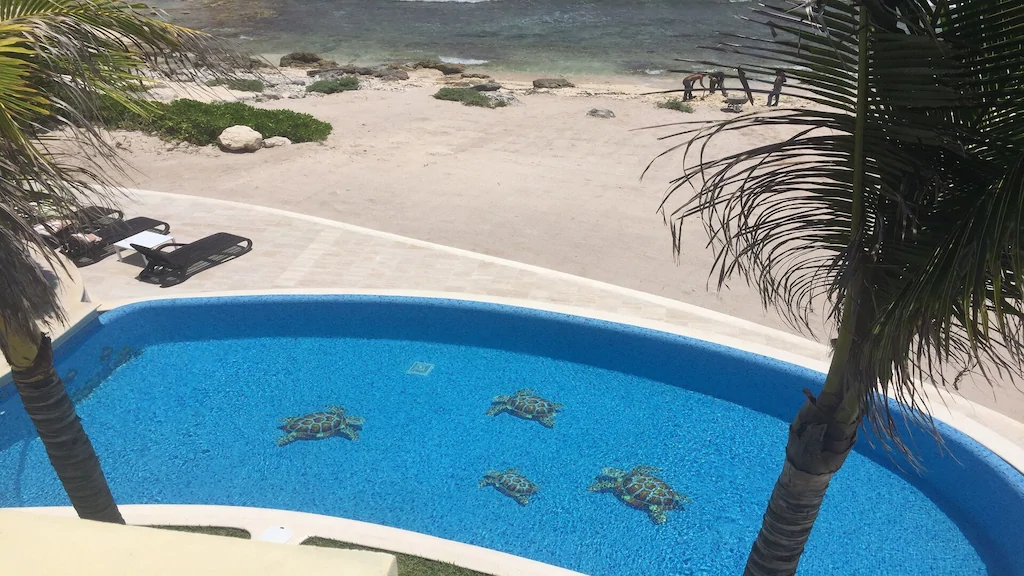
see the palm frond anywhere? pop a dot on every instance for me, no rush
(59, 60)
(935, 256)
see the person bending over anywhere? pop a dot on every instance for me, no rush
(688, 85)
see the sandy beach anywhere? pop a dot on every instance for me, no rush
(540, 182)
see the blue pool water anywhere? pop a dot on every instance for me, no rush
(191, 416)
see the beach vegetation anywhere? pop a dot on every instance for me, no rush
(239, 84)
(468, 97)
(200, 123)
(343, 84)
(677, 105)
(896, 204)
(62, 59)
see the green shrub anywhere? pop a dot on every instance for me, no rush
(337, 85)
(468, 97)
(240, 84)
(201, 123)
(676, 104)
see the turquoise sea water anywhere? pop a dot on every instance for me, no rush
(192, 416)
(569, 36)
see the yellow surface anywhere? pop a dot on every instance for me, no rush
(35, 544)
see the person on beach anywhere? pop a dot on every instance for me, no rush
(688, 85)
(780, 79)
(716, 81)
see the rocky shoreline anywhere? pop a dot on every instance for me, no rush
(288, 77)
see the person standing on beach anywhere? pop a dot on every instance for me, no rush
(688, 85)
(780, 79)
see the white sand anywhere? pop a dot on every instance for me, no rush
(540, 183)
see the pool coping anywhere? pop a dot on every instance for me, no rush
(990, 439)
(304, 525)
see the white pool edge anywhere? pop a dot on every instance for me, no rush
(304, 525)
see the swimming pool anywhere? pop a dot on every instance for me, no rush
(183, 400)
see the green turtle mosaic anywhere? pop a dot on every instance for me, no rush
(641, 489)
(317, 425)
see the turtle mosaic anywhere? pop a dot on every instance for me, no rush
(525, 404)
(640, 489)
(511, 483)
(320, 425)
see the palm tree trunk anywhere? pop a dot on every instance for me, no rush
(818, 445)
(46, 402)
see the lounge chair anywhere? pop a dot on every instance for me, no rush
(171, 268)
(84, 221)
(89, 248)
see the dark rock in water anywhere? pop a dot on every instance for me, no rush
(601, 113)
(476, 75)
(300, 59)
(487, 87)
(553, 83)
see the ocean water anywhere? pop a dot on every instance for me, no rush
(194, 418)
(567, 36)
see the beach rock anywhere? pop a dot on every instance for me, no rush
(508, 99)
(601, 113)
(339, 71)
(326, 65)
(393, 75)
(552, 83)
(300, 59)
(240, 139)
(449, 69)
(487, 87)
(275, 141)
(444, 68)
(257, 63)
(476, 75)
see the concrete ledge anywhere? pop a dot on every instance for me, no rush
(300, 526)
(45, 545)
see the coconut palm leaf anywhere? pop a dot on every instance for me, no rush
(930, 232)
(898, 202)
(60, 60)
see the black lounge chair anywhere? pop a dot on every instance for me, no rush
(83, 252)
(171, 268)
(84, 221)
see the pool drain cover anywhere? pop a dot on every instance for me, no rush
(420, 369)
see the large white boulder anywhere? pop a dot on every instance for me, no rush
(240, 139)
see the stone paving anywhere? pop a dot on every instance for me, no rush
(298, 252)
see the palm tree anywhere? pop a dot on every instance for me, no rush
(59, 60)
(898, 202)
